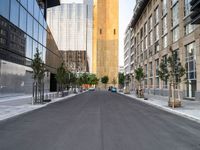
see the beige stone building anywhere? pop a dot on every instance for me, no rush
(105, 39)
(157, 26)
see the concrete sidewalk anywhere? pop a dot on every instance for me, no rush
(22, 104)
(190, 109)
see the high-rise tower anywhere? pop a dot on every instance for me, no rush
(105, 38)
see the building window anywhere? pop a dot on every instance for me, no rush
(164, 27)
(157, 33)
(151, 74)
(145, 29)
(156, 15)
(146, 76)
(175, 15)
(175, 34)
(150, 23)
(23, 19)
(114, 31)
(146, 43)
(165, 41)
(187, 7)
(30, 25)
(189, 28)
(157, 47)
(4, 8)
(165, 83)
(174, 2)
(157, 76)
(14, 12)
(164, 4)
(191, 70)
(151, 38)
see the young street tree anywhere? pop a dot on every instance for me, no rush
(38, 76)
(61, 77)
(139, 76)
(105, 80)
(121, 79)
(93, 80)
(172, 71)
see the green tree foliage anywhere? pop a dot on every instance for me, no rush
(38, 75)
(38, 67)
(104, 80)
(139, 75)
(93, 80)
(121, 79)
(171, 70)
(61, 77)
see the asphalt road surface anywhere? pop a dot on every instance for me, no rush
(99, 121)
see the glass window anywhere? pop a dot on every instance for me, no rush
(35, 33)
(24, 3)
(175, 15)
(191, 69)
(165, 41)
(44, 55)
(40, 34)
(157, 48)
(164, 28)
(156, 15)
(189, 28)
(187, 7)
(151, 38)
(44, 37)
(36, 10)
(30, 25)
(35, 46)
(157, 33)
(41, 19)
(164, 7)
(175, 34)
(14, 14)
(4, 8)
(150, 23)
(23, 19)
(30, 6)
(29, 47)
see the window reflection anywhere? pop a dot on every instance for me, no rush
(23, 19)
(30, 25)
(24, 3)
(14, 12)
(29, 47)
(35, 30)
(4, 8)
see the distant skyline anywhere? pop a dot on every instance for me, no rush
(125, 14)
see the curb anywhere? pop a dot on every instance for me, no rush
(12, 115)
(172, 111)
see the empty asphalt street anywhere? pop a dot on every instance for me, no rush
(99, 121)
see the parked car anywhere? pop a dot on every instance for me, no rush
(92, 89)
(114, 90)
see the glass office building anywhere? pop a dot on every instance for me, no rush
(23, 29)
(71, 26)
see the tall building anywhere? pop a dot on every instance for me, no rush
(158, 27)
(105, 39)
(23, 28)
(71, 25)
(128, 57)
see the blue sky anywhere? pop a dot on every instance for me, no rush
(125, 14)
